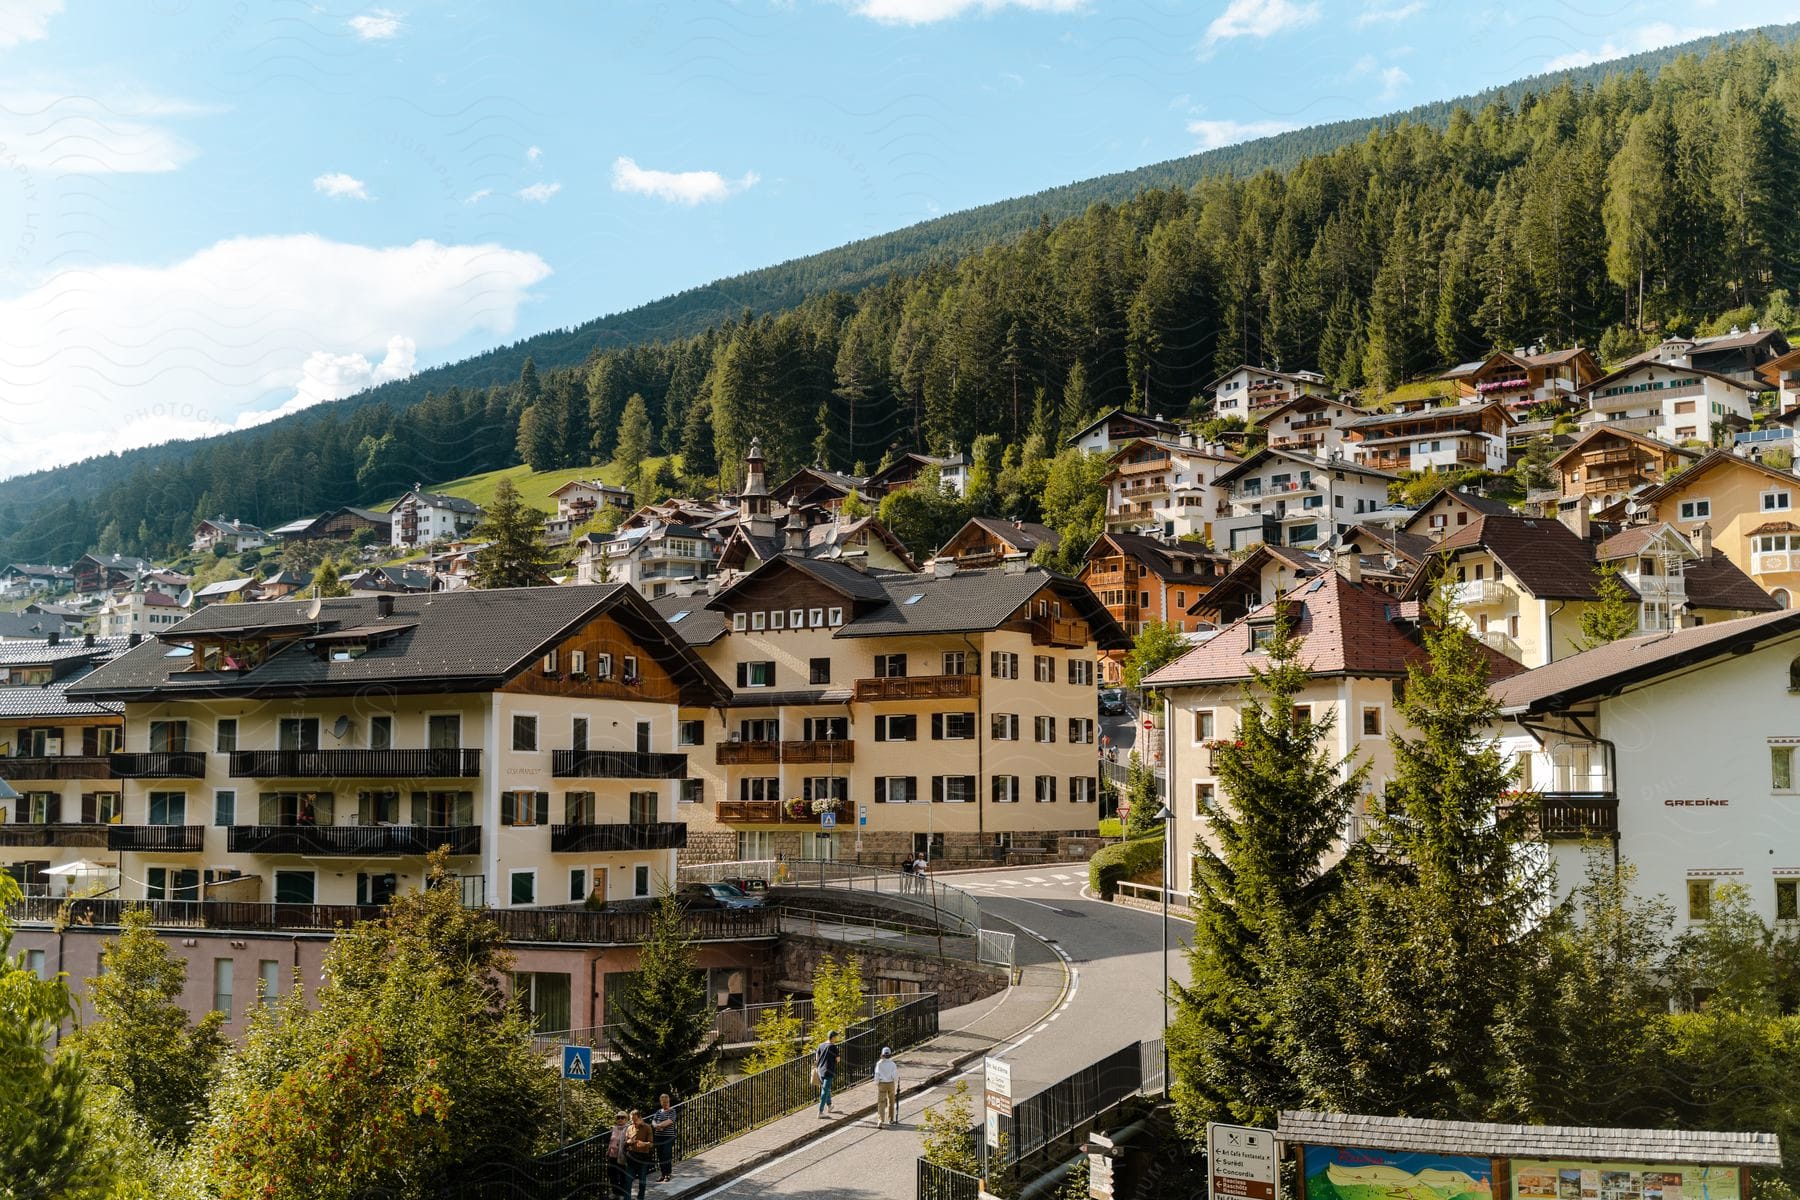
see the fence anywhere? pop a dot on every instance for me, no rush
(997, 947)
(1180, 903)
(920, 893)
(944, 1183)
(729, 1024)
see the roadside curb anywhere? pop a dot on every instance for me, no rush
(949, 1071)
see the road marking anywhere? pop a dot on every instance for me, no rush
(847, 1127)
(1039, 903)
(1036, 879)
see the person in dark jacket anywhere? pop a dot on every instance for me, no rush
(662, 1123)
(640, 1152)
(825, 1064)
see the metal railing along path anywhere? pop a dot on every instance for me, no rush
(918, 892)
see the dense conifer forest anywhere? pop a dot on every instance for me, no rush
(1604, 207)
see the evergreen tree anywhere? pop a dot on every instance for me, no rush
(1141, 802)
(539, 445)
(140, 1040)
(698, 459)
(1259, 884)
(1073, 413)
(1613, 615)
(665, 1030)
(634, 439)
(327, 581)
(1074, 506)
(515, 556)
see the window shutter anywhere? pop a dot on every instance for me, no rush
(996, 781)
(937, 732)
(268, 809)
(543, 808)
(419, 812)
(743, 674)
(937, 789)
(881, 789)
(365, 813)
(53, 810)
(509, 805)
(90, 741)
(90, 809)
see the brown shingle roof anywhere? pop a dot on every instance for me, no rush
(1345, 629)
(1633, 660)
(1579, 1143)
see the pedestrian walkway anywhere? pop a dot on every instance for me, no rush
(966, 1034)
(1021, 880)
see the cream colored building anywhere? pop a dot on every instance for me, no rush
(314, 752)
(879, 714)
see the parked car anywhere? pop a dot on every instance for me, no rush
(1112, 702)
(716, 895)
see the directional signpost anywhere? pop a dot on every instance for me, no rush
(1240, 1161)
(578, 1064)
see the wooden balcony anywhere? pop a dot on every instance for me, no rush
(92, 837)
(1058, 631)
(603, 839)
(917, 687)
(1556, 816)
(58, 766)
(743, 754)
(355, 841)
(355, 764)
(160, 764)
(825, 751)
(769, 812)
(617, 764)
(172, 839)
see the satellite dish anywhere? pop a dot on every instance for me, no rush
(341, 728)
(315, 608)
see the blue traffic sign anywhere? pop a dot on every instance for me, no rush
(828, 820)
(578, 1063)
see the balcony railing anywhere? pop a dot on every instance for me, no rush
(160, 764)
(1505, 643)
(355, 764)
(92, 837)
(829, 750)
(601, 839)
(923, 687)
(770, 812)
(1558, 815)
(739, 754)
(1480, 593)
(366, 841)
(1058, 631)
(617, 764)
(58, 766)
(170, 838)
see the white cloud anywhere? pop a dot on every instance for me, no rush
(478, 195)
(533, 153)
(340, 186)
(1374, 12)
(539, 193)
(926, 12)
(120, 133)
(677, 187)
(1213, 134)
(1259, 19)
(126, 355)
(1393, 79)
(1649, 37)
(376, 25)
(26, 20)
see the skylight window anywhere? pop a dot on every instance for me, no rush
(678, 616)
(178, 652)
(914, 598)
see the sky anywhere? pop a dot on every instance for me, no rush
(212, 213)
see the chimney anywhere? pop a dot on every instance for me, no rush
(1349, 564)
(943, 568)
(1703, 541)
(384, 606)
(134, 639)
(87, 640)
(1015, 563)
(793, 537)
(1576, 517)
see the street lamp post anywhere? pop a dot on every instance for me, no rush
(1166, 818)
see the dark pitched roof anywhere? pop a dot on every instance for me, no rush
(1024, 535)
(689, 617)
(1168, 561)
(49, 700)
(1633, 365)
(1637, 439)
(1619, 664)
(1719, 583)
(440, 500)
(1465, 409)
(1345, 629)
(29, 625)
(1542, 553)
(469, 640)
(1151, 425)
(970, 601)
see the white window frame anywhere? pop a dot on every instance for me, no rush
(1785, 498)
(578, 662)
(740, 622)
(778, 619)
(816, 618)
(513, 874)
(759, 621)
(834, 617)
(512, 733)
(1697, 509)
(550, 661)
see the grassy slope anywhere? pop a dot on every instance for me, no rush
(534, 488)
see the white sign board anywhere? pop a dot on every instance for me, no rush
(998, 1073)
(1240, 1160)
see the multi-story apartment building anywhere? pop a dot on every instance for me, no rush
(1606, 465)
(1527, 378)
(579, 499)
(1278, 496)
(1251, 393)
(1308, 424)
(1356, 643)
(1676, 751)
(1166, 487)
(1271, 571)
(236, 536)
(1424, 437)
(314, 752)
(55, 753)
(1522, 583)
(1448, 511)
(653, 557)
(1139, 579)
(421, 517)
(1747, 509)
(1110, 430)
(141, 610)
(843, 676)
(1671, 401)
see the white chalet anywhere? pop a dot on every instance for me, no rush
(1671, 401)
(1295, 500)
(1166, 487)
(236, 536)
(1250, 393)
(422, 517)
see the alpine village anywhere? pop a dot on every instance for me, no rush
(1348, 603)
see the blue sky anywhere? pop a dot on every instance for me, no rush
(214, 212)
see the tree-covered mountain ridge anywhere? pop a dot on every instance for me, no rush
(1563, 208)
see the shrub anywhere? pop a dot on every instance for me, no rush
(1122, 861)
(1112, 827)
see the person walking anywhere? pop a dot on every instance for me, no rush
(887, 1089)
(662, 1124)
(825, 1065)
(640, 1152)
(617, 1174)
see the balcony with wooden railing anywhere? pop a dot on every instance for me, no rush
(87, 836)
(771, 812)
(1557, 816)
(920, 687)
(823, 750)
(356, 841)
(1058, 631)
(57, 766)
(617, 764)
(159, 764)
(746, 754)
(355, 764)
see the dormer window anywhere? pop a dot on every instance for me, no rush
(1261, 635)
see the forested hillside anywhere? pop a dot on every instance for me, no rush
(1594, 212)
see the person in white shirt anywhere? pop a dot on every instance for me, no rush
(887, 1089)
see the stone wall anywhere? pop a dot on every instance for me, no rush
(956, 982)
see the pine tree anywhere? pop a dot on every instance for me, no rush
(1613, 615)
(666, 1021)
(326, 580)
(516, 556)
(1259, 883)
(634, 439)
(698, 459)
(538, 443)
(1073, 414)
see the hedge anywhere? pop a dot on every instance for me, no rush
(1123, 860)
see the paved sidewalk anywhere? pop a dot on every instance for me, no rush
(965, 1035)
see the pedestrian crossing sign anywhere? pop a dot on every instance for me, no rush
(828, 820)
(578, 1063)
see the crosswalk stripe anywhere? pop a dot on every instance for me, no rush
(1036, 879)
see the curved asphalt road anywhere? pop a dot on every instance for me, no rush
(1114, 958)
